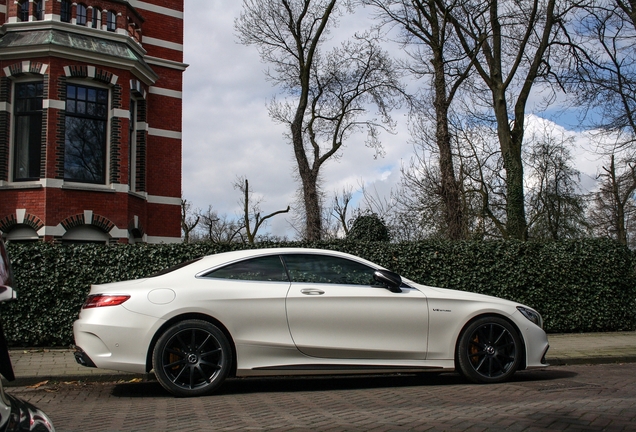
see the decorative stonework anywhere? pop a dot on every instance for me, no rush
(80, 219)
(21, 68)
(7, 223)
(136, 88)
(77, 71)
(90, 72)
(102, 223)
(135, 228)
(10, 222)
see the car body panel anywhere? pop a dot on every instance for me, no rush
(292, 328)
(17, 415)
(357, 322)
(450, 311)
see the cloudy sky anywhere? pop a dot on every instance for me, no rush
(227, 132)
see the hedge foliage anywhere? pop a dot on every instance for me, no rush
(577, 286)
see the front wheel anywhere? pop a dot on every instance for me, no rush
(489, 350)
(192, 358)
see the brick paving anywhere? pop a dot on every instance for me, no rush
(561, 398)
(592, 388)
(34, 365)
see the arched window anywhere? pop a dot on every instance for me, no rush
(38, 10)
(112, 21)
(23, 10)
(97, 18)
(85, 234)
(22, 233)
(65, 13)
(80, 16)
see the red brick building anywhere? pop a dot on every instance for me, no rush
(90, 120)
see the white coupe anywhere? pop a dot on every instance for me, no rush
(294, 311)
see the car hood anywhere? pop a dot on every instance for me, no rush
(451, 294)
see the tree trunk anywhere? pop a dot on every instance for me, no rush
(510, 143)
(449, 189)
(619, 206)
(312, 208)
(309, 181)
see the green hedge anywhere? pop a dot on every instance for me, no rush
(586, 285)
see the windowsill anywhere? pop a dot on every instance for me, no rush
(20, 185)
(61, 184)
(88, 187)
(139, 195)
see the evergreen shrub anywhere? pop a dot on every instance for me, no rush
(577, 286)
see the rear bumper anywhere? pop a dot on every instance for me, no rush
(82, 358)
(114, 338)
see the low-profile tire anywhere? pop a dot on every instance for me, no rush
(192, 358)
(489, 350)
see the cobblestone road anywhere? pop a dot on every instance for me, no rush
(573, 398)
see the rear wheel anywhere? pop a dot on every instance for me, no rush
(489, 350)
(192, 358)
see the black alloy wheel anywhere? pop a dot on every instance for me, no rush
(489, 350)
(192, 358)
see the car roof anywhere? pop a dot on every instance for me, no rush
(211, 261)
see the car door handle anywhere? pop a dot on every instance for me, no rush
(312, 291)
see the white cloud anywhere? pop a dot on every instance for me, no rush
(227, 131)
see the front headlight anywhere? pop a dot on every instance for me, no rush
(531, 315)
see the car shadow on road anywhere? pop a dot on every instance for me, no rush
(327, 383)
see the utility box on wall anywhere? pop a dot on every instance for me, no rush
(90, 120)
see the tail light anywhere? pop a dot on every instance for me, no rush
(102, 300)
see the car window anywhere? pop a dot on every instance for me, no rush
(313, 268)
(176, 267)
(267, 268)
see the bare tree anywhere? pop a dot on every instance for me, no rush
(339, 210)
(556, 206)
(219, 228)
(189, 221)
(419, 211)
(514, 40)
(482, 180)
(434, 53)
(252, 211)
(328, 94)
(420, 206)
(613, 210)
(602, 78)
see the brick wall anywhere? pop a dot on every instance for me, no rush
(158, 159)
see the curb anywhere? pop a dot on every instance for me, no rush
(590, 360)
(123, 377)
(27, 381)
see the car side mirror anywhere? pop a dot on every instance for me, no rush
(393, 281)
(6, 293)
